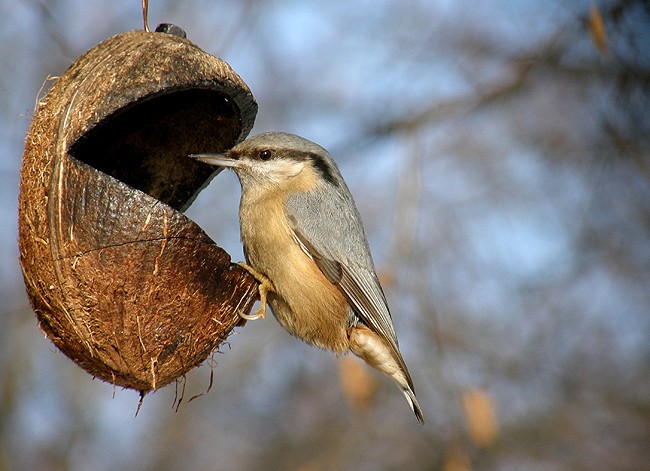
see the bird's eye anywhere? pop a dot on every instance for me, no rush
(265, 154)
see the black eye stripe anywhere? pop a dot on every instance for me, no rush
(322, 166)
(265, 154)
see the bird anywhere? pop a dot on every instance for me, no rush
(305, 243)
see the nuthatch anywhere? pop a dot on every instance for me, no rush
(304, 241)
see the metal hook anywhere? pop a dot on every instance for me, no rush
(145, 12)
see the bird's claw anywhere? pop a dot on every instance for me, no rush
(265, 286)
(259, 314)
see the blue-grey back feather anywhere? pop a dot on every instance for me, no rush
(337, 243)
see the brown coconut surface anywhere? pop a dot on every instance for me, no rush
(120, 280)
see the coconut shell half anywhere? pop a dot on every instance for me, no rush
(121, 281)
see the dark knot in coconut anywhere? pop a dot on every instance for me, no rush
(120, 280)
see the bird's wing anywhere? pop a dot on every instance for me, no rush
(329, 229)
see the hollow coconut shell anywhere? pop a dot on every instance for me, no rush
(121, 281)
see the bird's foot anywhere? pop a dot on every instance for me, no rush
(265, 286)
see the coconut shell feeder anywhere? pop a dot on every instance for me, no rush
(121, 281)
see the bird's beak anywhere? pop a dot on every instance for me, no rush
(218, 160)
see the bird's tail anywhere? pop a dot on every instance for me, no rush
(386, 358)
(413, 402)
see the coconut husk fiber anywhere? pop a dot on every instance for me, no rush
(120, 280)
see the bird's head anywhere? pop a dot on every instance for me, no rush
(277, 160)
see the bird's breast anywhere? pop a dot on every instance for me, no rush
(305, 303)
